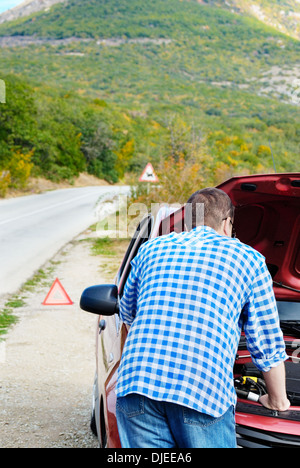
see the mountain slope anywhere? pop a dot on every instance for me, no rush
(27, 8)
(222, 75)
(205, 43)
(104, 18)
(283, 15)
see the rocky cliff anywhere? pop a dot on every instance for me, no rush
(27, 8)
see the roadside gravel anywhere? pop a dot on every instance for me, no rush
(47, 364)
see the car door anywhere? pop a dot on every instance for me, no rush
(166, 220)
(114, 336)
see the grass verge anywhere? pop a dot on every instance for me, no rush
(7, 317)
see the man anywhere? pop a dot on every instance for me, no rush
(186, 299)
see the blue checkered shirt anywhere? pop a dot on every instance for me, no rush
(186, 299)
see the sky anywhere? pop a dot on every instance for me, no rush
(7, 4)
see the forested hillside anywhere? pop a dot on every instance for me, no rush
(61, 134)
(107, 85)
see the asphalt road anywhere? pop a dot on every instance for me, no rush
(35, 227)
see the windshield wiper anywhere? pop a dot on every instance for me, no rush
(281, 285)
(290, 326)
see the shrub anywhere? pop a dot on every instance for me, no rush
(20, 167)
(5, 180)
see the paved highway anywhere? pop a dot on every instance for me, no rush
(35, 227)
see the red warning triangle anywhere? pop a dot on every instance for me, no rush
(57, 295)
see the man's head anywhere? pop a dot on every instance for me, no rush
(210, 207)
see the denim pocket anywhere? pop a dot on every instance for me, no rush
(131, 405)
(194, 418)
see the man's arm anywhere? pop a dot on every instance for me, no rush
(276, 398)
(265, 339)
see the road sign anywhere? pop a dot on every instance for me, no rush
(148, 174)
(57, 295)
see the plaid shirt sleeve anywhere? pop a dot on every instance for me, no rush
(261, 323)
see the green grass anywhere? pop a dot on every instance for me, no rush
(103, 246)
(40, 278)
(8, 313)
(35, 281)
(15, 303)
(7, 316)
(7, 319)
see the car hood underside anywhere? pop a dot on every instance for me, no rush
(268, 219)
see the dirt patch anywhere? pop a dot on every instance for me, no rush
(282, 83)
(47, 363)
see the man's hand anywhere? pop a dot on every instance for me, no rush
(267, 402)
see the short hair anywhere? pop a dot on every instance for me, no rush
(208, 207)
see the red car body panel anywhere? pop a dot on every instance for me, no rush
(268, 219)
(264, 423)
(111, 399)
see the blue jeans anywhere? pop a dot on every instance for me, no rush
(145, 423)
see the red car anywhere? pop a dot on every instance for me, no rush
(268, 219)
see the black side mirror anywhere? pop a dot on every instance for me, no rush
(100, 300)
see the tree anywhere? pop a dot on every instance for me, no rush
(124, 156)
(17, 119)
(98, 148)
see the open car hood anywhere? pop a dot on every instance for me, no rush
(268, 219)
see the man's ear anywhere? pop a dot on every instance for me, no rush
(227, 227)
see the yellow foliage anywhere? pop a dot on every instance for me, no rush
(5, 181)
(20, 167)
(126, 117)
(263, 151)
(244, 147)
(260, 168)
(233, 162)
(156, 125)
(124, 155)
